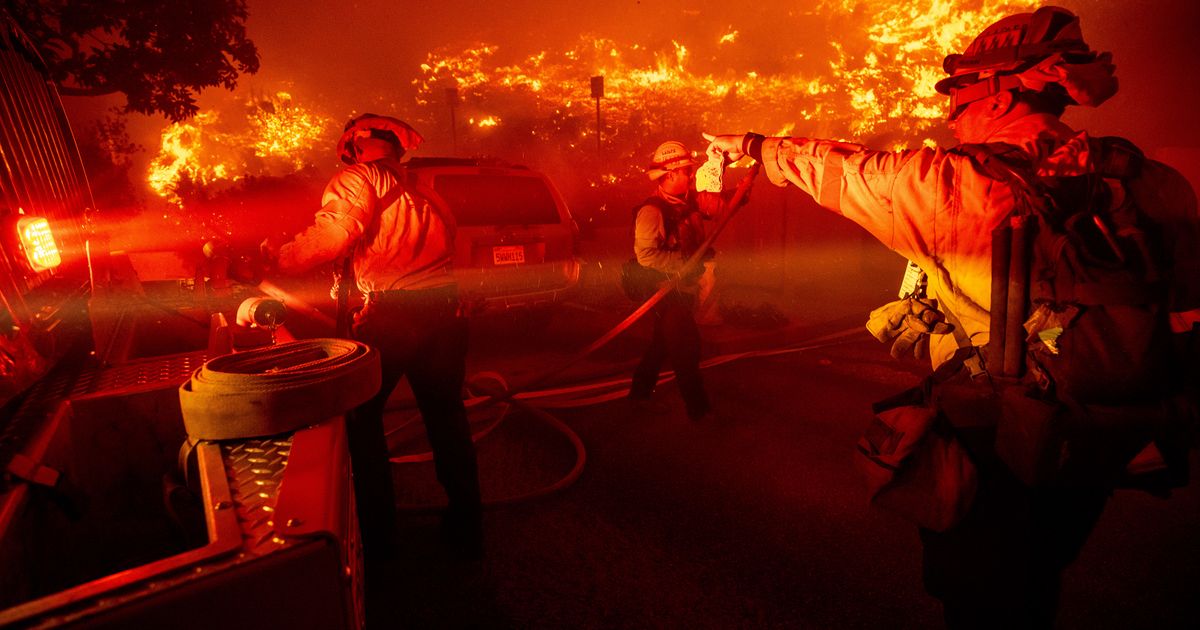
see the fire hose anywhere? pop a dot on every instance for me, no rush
(288, 386)
(277, 388)
(501, 393)
(735, 202)
(568, 397)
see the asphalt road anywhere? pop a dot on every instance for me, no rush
(757, 520)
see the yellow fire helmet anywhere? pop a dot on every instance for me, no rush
(374, 125)
(1030, 51)
(667, 157)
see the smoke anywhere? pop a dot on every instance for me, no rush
(826, 69)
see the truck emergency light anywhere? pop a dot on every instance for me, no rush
(38, 242)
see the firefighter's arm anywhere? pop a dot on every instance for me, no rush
(348, 202)
(327, 239)
(891, 194)
(650, 242)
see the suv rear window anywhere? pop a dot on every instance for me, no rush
(497, 199)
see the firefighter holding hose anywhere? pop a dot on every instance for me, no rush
(668, 229)
(995, 551)
(399, 246)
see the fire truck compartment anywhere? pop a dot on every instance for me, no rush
(123, 539)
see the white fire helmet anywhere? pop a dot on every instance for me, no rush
(1029, 51)
(374, 125)
(667, 157)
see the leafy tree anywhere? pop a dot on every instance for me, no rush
(107, 153)
(159, 54)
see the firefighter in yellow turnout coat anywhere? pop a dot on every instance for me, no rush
(1000, 564)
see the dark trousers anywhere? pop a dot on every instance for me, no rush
(420, 335)
(675, 335)
(1001, 566)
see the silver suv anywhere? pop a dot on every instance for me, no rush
(516, 241)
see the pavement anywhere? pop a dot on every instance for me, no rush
(755, 520)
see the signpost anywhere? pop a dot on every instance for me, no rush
(598, 93)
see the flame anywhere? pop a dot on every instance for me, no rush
(178, 157)
(285, 130)
(913, 37)
(874, 83)
(276, 136)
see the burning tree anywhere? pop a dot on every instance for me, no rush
(205, 163)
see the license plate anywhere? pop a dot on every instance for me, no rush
(508, 254)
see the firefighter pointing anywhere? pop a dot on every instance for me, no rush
(1059, 269)
(399, 245)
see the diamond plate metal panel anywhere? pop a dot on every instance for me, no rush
(158, 371)
(254, 469)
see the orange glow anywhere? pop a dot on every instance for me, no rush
(276, 136)
(284, 130)
(38, 242)
(878, 77)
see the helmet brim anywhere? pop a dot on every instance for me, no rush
(407, 136)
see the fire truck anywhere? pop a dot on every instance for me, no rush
(102, 522)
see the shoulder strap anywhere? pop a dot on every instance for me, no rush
(652, 200)
(996, 159)
(664, 208)
(967, 354)
(1008, 164)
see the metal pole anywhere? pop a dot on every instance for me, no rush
(598, 93)
(452, 99)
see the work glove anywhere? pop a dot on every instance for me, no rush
(907, 324)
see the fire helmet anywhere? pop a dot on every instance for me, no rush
(373, 125)
(1030, 51)
(667, 157)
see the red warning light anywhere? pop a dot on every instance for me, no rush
(38, 242)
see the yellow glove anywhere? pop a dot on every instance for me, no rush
(884, 322)
(908, 324)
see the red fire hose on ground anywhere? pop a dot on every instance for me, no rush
(499, 393)
(735, 203)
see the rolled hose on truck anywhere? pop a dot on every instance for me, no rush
(277, 389)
